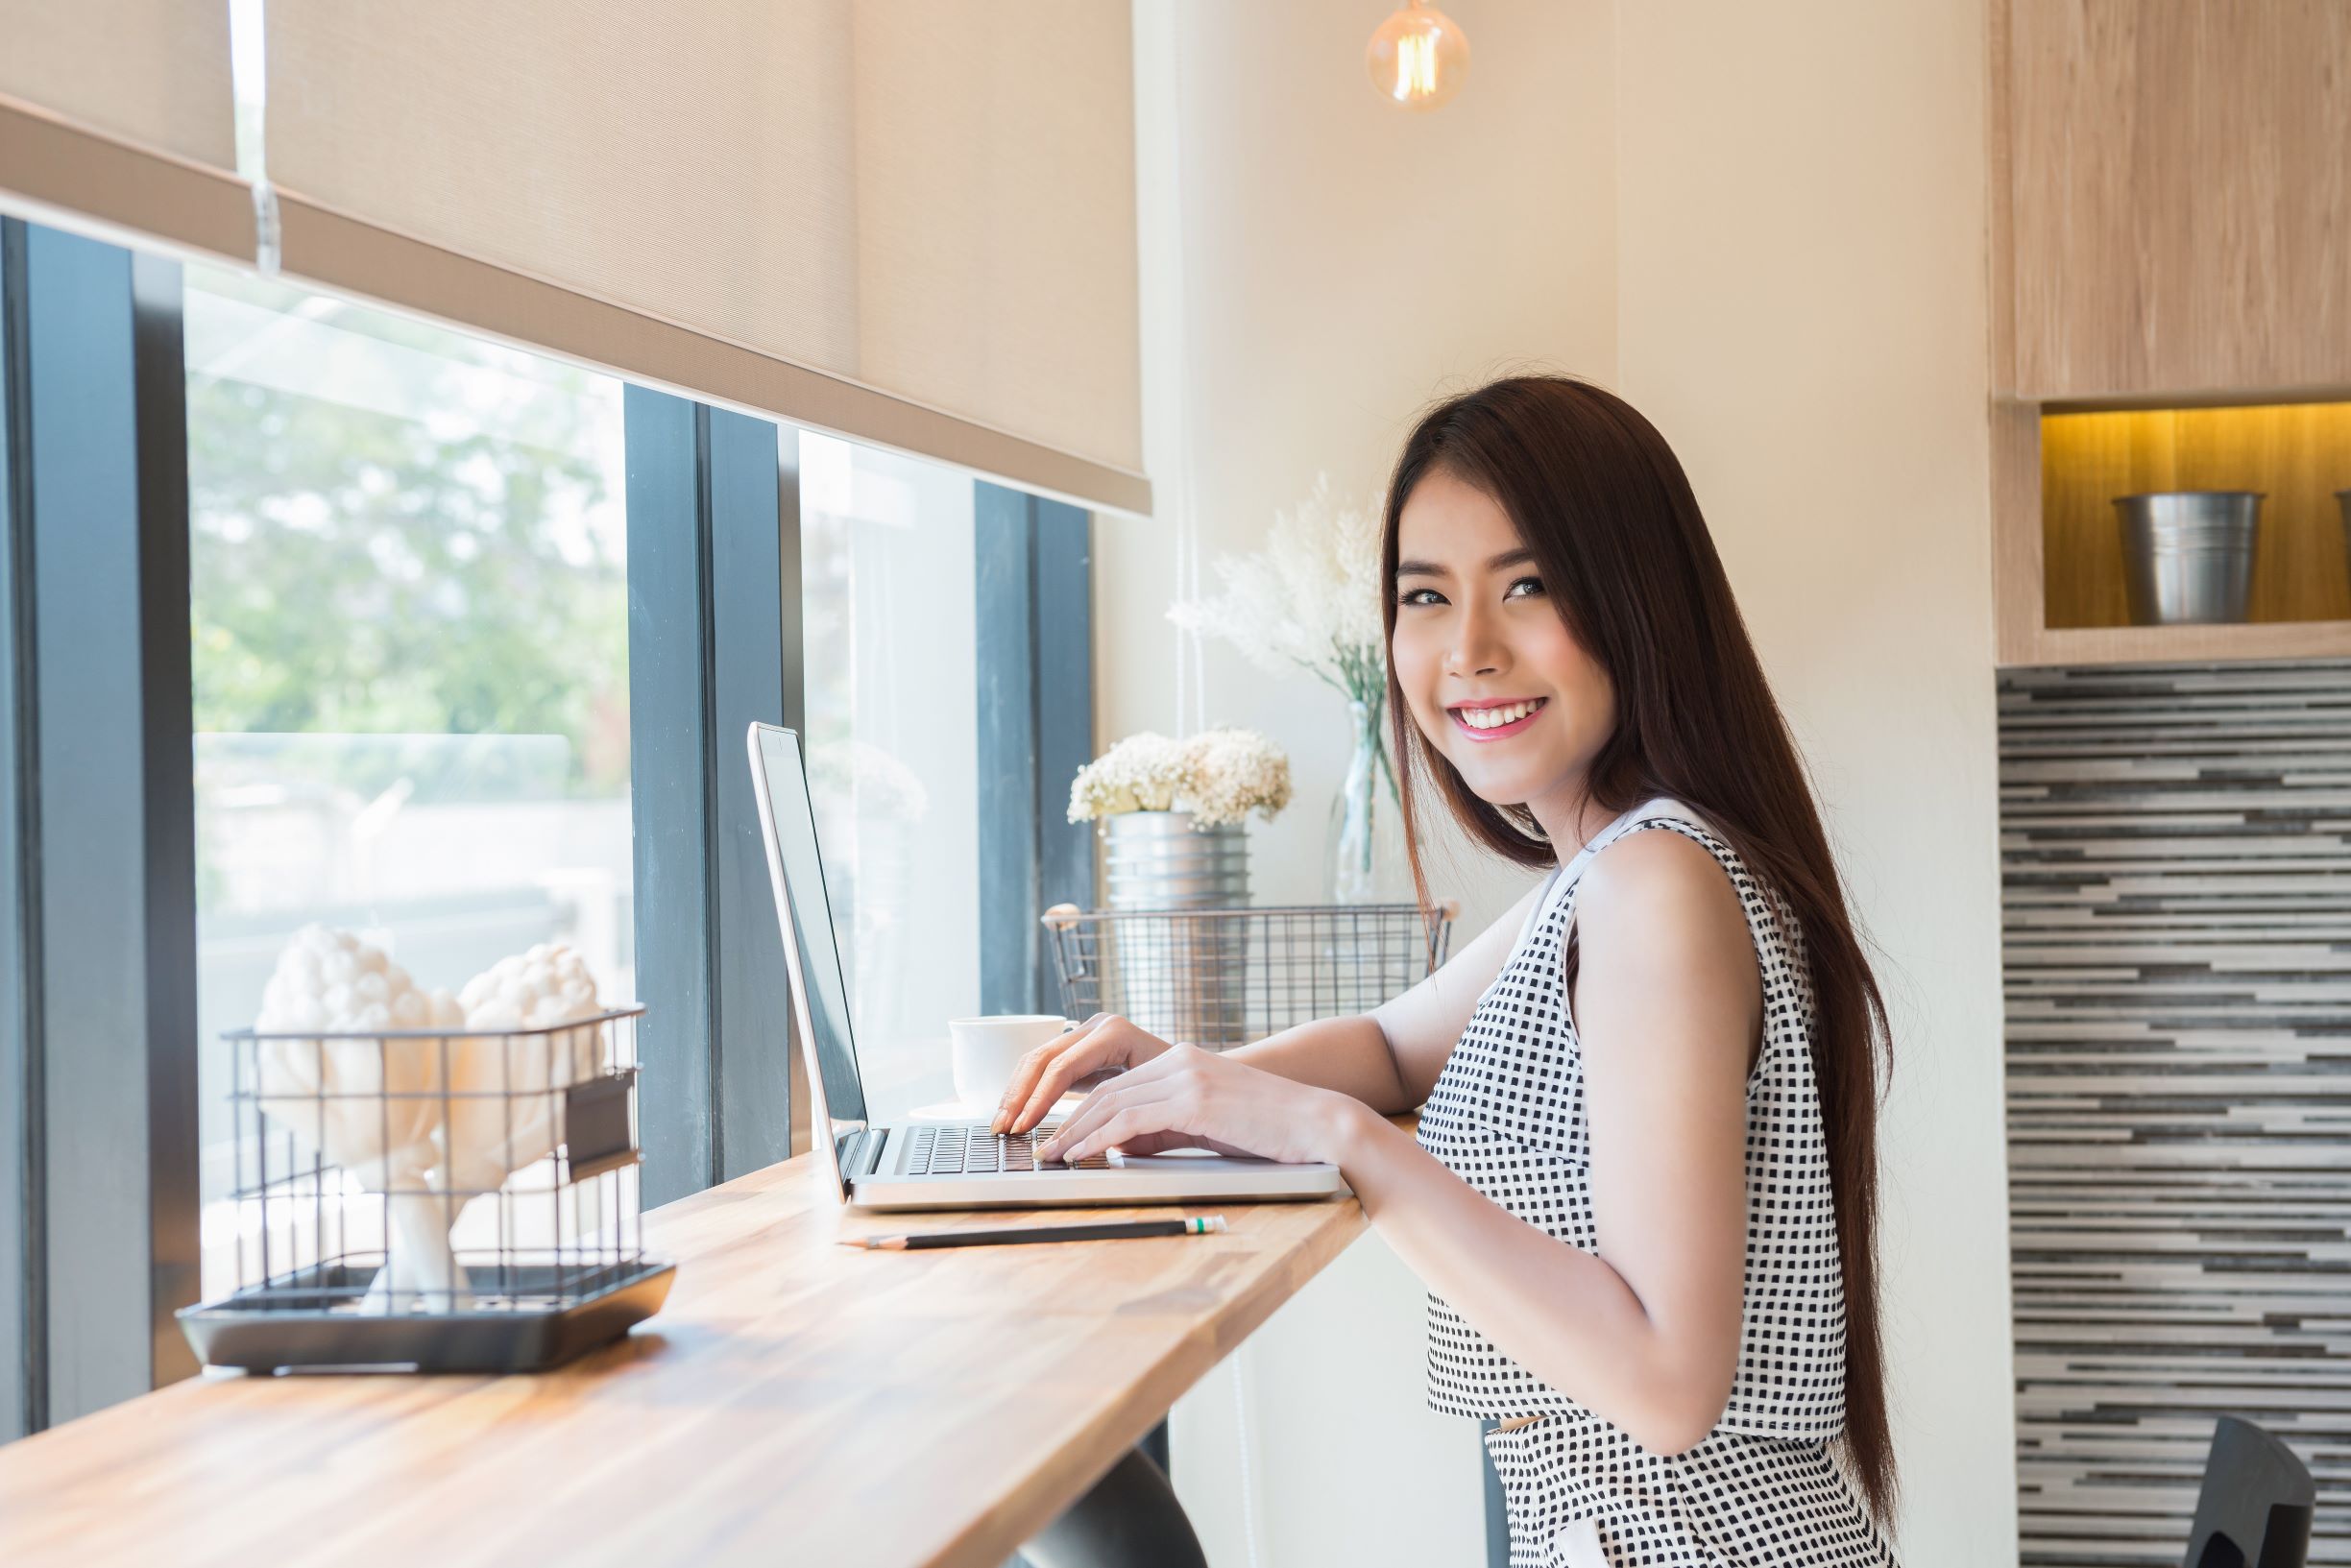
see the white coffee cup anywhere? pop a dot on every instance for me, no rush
(987, 1050)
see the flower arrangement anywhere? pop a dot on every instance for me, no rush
(1218, 776)
(429, 1123)
(1309, 600)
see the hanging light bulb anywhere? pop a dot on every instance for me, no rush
(1420, 56)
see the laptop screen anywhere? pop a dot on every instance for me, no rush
(811, 922)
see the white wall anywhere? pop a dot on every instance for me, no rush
(1782, 265)
(1802, 297)
(1318, 265)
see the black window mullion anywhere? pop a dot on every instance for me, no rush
(712, 644)
(751, 602)
(1035, 657)
(1005, 660)
(23, 1346)
(102, 728)
(1062, 640)
(792, 585)
(669, 598)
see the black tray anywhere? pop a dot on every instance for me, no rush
(310, 1321)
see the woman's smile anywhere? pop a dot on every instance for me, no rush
(1487, 721)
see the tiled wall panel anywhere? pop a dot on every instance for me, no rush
(2176, 885)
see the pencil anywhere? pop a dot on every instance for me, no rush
(1100, 1231)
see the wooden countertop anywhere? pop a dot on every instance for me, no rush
(795, 1401)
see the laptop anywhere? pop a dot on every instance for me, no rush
(944, 1165)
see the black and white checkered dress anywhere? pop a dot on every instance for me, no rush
(1508, 1114)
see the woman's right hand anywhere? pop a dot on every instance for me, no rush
(1103, 1045)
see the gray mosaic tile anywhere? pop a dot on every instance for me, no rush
(2176, 850)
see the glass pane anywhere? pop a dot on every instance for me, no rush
(889, 617)
(410, 645)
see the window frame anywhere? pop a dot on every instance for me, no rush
(100, 1234)
(103, 945)
(1035, 676)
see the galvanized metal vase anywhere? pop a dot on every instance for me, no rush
(1183, 970)
(2188, 554)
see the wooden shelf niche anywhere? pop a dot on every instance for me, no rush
(2297, 454)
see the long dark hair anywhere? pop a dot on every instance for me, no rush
(1600, 501)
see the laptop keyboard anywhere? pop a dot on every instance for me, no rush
(973, 1150)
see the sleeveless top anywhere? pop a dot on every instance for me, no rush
(1506, 1114)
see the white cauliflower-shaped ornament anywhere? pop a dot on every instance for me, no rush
(505, 1108)
(371, 1106)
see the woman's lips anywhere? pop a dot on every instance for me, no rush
(1499, 732)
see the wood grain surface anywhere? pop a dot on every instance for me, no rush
(795, 1402)
(2297, 454)
(2057, 585)
(2016, 571)
(2171, 206)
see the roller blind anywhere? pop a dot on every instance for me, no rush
(909, 222)
(154, 72)
(121, 112)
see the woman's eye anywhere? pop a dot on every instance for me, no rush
(1420, 596)
(1524, 587)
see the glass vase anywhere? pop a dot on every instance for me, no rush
(1364, 851)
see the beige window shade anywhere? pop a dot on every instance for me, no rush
(908, 223)
(121, 112)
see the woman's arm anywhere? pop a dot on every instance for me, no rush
(1668, 1007)
(1387, 1058)
(1645, 1330)
(1390, 1057)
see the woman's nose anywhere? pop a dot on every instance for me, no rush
(1476, 648)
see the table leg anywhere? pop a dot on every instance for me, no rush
(1130, 1519)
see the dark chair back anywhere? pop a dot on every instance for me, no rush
(2255, 1508)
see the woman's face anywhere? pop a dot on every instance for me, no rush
(1490, 670)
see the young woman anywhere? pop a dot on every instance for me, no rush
(1643, 1190)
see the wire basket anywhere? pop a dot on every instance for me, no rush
(1219, 978)
(435, 1202)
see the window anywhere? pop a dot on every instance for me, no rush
(409, 645)
(422, 575)
(889, 618)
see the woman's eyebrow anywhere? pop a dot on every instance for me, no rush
(1430, 569)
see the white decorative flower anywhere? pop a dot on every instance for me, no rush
(502, 1114)
(863, 773)
(1144, 772)
(372, 1106)
(1232, 772)
(366, 1105)
(1311, 598)
(1218, 776)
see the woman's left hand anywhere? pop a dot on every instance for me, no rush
(1186, 1097)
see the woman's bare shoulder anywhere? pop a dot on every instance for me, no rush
(1663, 892)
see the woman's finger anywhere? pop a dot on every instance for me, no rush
(1029, 1074)
(1135, 1075)
(1102, 1102)
(1067, 1063)
(1134, 1121)
(1113, 1048)
(1101, 1109)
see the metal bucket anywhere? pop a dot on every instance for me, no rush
(2342, 498)
(2188, 554)
(1184, 979)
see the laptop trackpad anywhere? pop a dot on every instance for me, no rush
(1190, 1161)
